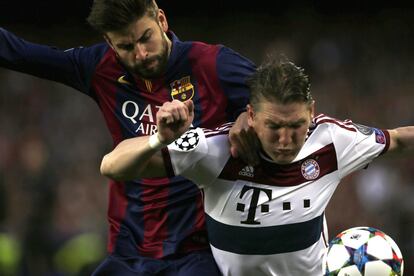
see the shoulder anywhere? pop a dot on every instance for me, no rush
(347, 132)
(346, 126)
(323, 120)
(202, 52)
(326, 130)
(103, 56)
(218, 131)
(197, 138)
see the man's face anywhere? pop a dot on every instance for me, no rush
(143, 47)
(281, 128)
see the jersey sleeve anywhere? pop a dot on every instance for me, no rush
(358, 145)
(73, 67)
(196, 157)
(233, 71)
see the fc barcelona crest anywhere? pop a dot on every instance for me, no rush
(182, 89)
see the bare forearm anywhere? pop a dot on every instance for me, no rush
(133, 158)
(140, 156)
(402, 139)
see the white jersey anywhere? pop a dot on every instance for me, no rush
(269, 219)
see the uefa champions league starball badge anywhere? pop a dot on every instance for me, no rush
(188, 141)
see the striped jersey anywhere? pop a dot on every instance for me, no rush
(147, 217)
(269, 219)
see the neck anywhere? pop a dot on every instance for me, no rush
(169, 44)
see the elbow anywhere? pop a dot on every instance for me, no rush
(108, 169)
(112, 168)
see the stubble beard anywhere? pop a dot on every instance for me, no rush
(161, 60)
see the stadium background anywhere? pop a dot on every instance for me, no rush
(53, 200)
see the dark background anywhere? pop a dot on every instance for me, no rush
(358, 54)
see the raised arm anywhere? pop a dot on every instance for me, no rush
(402, 139)
(140, 156)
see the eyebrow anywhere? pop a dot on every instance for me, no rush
(140, 38)
(299, 121)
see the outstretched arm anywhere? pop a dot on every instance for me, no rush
(140, 156)
(402, 139)
(73, 67)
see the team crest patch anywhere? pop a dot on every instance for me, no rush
(379, 136)
(182, 89)
(310, 169)
(364, 129)
(188, 141)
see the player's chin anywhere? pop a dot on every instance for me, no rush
(283, 157)
(283, 160)
(148, 72)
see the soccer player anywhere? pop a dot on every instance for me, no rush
(266, 219)
(156, 225)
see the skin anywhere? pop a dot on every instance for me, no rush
(143, 47)
(281, 128)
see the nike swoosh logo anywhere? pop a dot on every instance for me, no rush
(122, 80)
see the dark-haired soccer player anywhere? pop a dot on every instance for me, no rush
(156, 225)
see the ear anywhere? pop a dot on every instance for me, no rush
(250, 115)
(312, 109)
(162, 19)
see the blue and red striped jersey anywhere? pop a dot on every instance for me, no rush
(147, 217)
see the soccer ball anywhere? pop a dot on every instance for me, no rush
(363, 251)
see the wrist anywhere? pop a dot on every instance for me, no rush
(154, 142)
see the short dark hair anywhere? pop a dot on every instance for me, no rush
(281, 80)
(116, 15)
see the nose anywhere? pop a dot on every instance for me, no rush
(285, 136)
(140, 51)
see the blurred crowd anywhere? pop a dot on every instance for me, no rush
(53, 200)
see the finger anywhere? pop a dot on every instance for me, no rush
(164, 113)
(254, 148)
(165, 118)
(186, 111)
(238, 145)
(234, 152)
(176, 113)
(234, 146)
(183, 113)
(246, 147)
(190, 106)
(183, 110)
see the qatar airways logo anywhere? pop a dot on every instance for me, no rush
(143, 119)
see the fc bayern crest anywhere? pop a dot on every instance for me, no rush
(188, 141)
(310, 169)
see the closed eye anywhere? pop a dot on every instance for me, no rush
(126, 47)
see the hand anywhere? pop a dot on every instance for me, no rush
(243, 141)
(173, 119)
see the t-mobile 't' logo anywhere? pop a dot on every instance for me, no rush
(253, 203)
